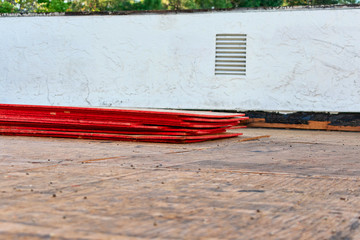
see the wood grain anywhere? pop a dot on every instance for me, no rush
(312, 125)
(293, 185)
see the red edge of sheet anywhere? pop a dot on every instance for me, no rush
(112, 124)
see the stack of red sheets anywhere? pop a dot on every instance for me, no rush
(116, 124)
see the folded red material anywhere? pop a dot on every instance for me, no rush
(150, 125)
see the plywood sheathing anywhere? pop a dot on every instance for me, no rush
(293, 185)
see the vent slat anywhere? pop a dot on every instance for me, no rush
(243, 48)
(230, 39)
(244, 74)
(230, 69)
(230, 49)
(231, 57)
(230, 65)
(229, 61)
(231, 34)
(230, 52)
(230, 43)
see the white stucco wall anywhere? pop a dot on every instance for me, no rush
(297, 60)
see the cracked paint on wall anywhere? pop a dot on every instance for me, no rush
(297, 60)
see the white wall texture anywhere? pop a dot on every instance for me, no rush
(297, 60)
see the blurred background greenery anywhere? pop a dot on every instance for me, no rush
(44, 6)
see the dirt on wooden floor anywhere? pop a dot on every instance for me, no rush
(290, 184)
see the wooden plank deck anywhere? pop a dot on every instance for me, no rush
(293, 185)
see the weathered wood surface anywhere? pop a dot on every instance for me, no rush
(312, 125)
(293, 185)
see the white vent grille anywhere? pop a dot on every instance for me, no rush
(230, 58)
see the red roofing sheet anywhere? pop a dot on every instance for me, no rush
(116, 124)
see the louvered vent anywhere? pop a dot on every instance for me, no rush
(230, 58)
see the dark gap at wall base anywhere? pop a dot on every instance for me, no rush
(341, 121)
(305, 120)
(338, 119)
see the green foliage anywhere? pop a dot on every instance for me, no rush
(6, 7)
(152, 5)
(26, 5)
(257, 3)
(52, 6)
(271, 3)
(313, 2)
(323, 2)
(124, 5)
(191, 4)
(84, 5)
(296, 2)
(210, 4)
(245, 3)
(348, 2)
(11, 6)
(176, 4)
(120, 5)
